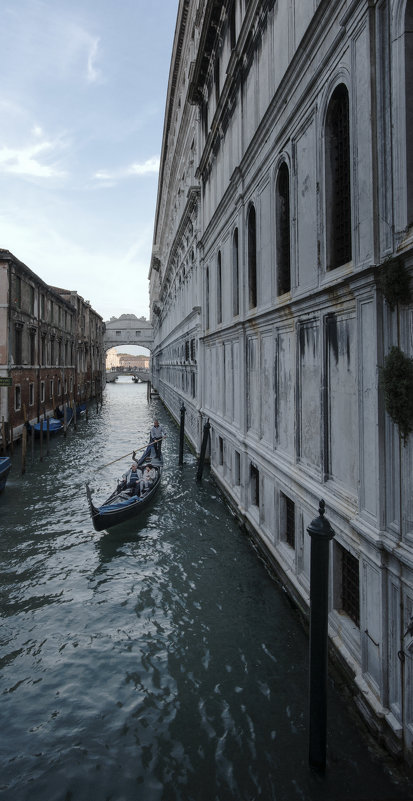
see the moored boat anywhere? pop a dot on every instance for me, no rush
(122, 505)
(5, 465)
(55, 423)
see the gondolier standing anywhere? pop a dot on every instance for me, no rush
(157, 433)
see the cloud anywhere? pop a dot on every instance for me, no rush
(110, 177)
(93, 74)
(26, 161)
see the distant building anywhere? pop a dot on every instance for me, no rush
(114, 359)
(50, 346)
(283, 222)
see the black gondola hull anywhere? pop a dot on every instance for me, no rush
(120, 511)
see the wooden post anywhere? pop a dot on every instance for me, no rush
(48, 436)
(65, 419)
(3, 436)
(182, 435)
(205, 439)
(32, 439)
(11, 434)
(41, 439)
(24, 449)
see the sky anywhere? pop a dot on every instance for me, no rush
(82, 101)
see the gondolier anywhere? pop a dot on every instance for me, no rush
(156, 436)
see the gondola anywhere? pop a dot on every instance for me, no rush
(121, 506)
(55, 423)
(5, 465)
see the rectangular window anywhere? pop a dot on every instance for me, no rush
(221, 450)
(51, 388)
(255, 485)
(287, 521)
(32, 300)
(17, 398)
(237, 469)
(350, 589)
(42, 395)
(18, 351)
(32, 347)
(31, 394)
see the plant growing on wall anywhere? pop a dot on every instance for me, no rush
(396, 378)
(395, 282)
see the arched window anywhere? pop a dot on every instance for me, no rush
(207, 298)
(338, 195)
(219, 288)
(408, 88)
(235, 274)
(232, 27)
(283, 230)
(252, 258)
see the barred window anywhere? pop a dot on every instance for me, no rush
(350, 588)
(255, 485)
(283, 230)
(219, 288)
(235, 274)
(252, 258)
(338, 195)
(287, 521)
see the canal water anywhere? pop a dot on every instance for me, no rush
(159, 662)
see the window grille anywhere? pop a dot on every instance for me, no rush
(283, 231)
(252, 259)
(255, 486)
(350, 590)
(235, 275)
(338, 190)
(219, 289)
(287, 520)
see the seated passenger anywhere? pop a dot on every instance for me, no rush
(131, 478)
(148, 477)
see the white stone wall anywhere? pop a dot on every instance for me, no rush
(291, 386)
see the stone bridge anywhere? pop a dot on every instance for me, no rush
(128, 330)
(137, 373)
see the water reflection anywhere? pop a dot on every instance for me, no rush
(159, 661)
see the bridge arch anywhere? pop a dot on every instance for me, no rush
(128, 329)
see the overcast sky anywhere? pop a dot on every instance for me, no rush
(82, 100)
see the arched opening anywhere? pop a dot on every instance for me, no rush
(252, 258)
(338, 183)
(283, 230)
(235, 274)
(219, 288)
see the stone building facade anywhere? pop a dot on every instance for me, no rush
(51, 346)
(284, 214)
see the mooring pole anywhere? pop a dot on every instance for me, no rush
(321, 533)
(182, 435)
(203, 451)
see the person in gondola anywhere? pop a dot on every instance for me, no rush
(148, 477)
(156, 436)
(155, 441)
(131, 479)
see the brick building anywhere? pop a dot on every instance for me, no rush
(50, 345)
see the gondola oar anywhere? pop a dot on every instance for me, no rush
(127, 454)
